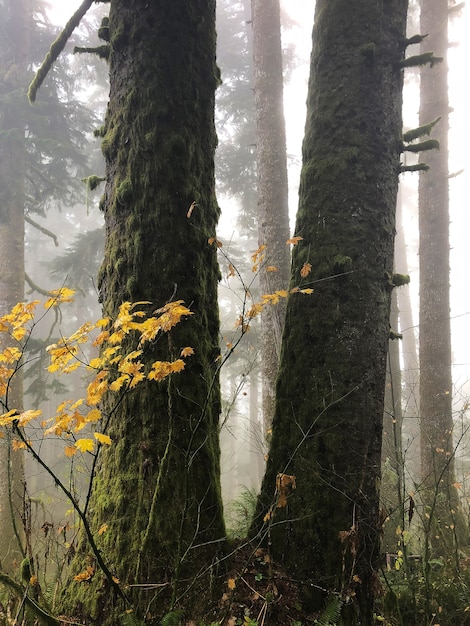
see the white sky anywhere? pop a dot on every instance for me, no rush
(459, 140)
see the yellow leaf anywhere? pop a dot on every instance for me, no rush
(231, 583)
(119, 382)
(64, 294)
(294, 240)
(70, 451)
(85, 445)
(231, 270)
(271, 268)
(188, 351)
(116, 580)
(103, 529)
(306, 269)
(85, 575)
(307, 291)
(103, 438)
(285, 484)
(25, 417)
(212, 240)
(33, 580)
(18, 445)
(177, 366)
(8, 418)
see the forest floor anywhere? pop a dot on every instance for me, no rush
(258, 591)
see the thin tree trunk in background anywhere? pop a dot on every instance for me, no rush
(14, 60)
(435, 397)
(409, 351)
(273, 210)
(391, 487)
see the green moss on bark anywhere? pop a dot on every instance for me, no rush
(157, 487)
(328, 420)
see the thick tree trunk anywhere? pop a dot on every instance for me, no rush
(14, 59)
(435, 395)
(273, 210)
(327, 427)
(158, 486)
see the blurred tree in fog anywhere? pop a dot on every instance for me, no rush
(443, 516)
(41, 163)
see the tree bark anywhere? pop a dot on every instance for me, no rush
(158, 485)
(435, 359)
(327, 427)
(14, 59)
(273, 209)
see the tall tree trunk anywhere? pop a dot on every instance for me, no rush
(273, 210)
(158, 485)
(435, 389)
(14, 59)
(327, 427)
(410, 366)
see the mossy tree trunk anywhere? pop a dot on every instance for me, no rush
(13, 79)
(327, 426)
(157, 487)
(435, 357)
(273, 209)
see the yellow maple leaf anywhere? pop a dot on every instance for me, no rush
(231, 583)
(85, 445)
(103, 529)
(188, 351)
(103, 438)
(306, 269)
(8, 418)
(177, 366)
(271, 268)
(119, 382)
(18, 445)
(64, 294)
(294, 241)
(26, 417)
(70, 451)
(307, 291)
(212, 240)
(85, 575)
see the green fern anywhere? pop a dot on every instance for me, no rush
(173, 618)
(332, 612)
(240, 513)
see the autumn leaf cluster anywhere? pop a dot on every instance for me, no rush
(117, 369)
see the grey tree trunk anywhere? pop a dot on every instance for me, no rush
(435, 390)
(327, 427)
(273, 210)
(14, 59)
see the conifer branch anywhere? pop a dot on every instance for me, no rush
(43, 230)
(56, 48)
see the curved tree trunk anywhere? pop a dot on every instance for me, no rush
(158, 487)
(327, 426)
